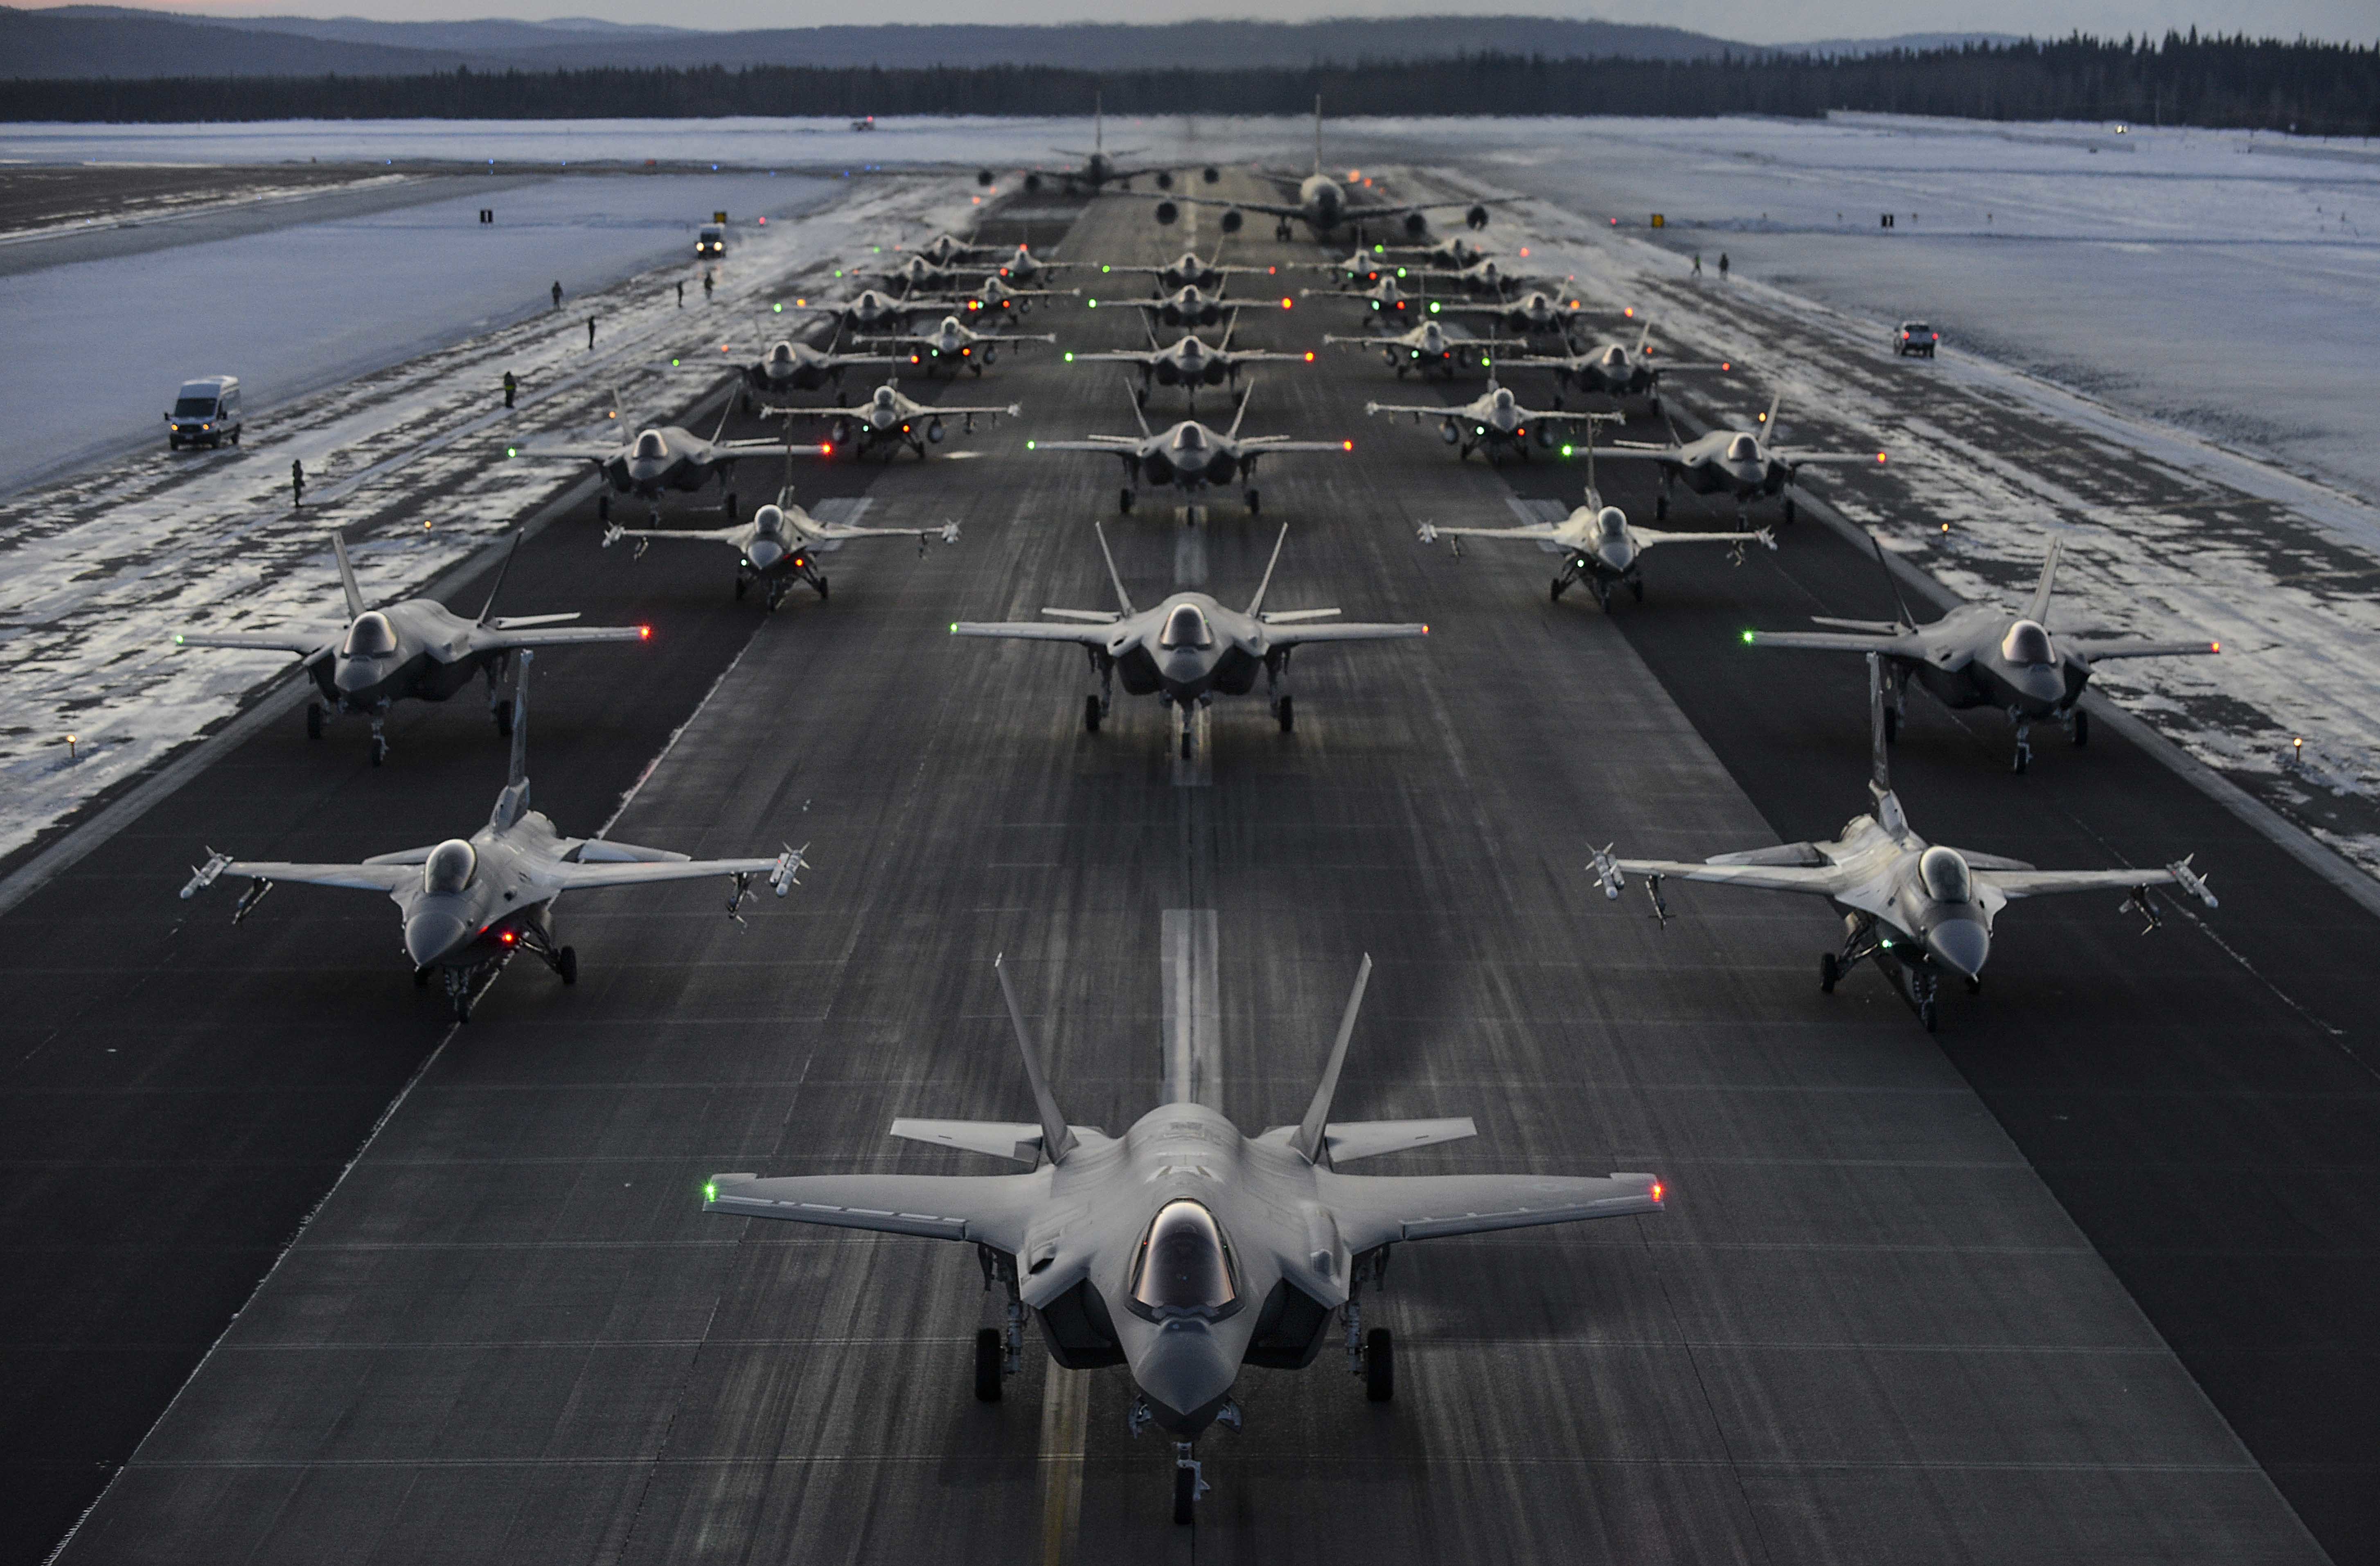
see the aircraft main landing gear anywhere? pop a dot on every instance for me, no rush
(1380, 1366)
(2023, 747)
(999, 1352)
(379, 744)
(316, 713)
(2082, 729)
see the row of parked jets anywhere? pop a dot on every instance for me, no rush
(1185, 1248)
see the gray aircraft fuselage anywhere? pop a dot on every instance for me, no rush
(415, 648)
(1971, 664)
(665, 458)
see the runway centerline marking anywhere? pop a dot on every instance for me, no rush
(1193, 1009)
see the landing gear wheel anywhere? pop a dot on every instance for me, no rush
(2082, 730)
(1556, 591)
(1186, 1496)
(1380, 1366)
(603, 508)
(988, 1355)
(1123, 502)
(1974, 984)
(1636, 588)
(1830, 973)
(566, 963)
(1255, 502)
(1661, 508)
(1926, 1016)
(1891, 726)
(314, 717)
(744, 404)
(1603, 595)
(742, 585)
(1186, 736)
(463, 1005)
(2024, 762)
(1090, 714)
(422, 978)
(502, 714)
(1789, 508)
(729, 506)
(379, 750)
(820, 585)
(1287, 715)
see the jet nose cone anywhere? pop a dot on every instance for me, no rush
(765, 553)
(2042, 683)
(430, 934)
(1960, 945)
(1619, 555)
(355, 674)
(1186, 1374)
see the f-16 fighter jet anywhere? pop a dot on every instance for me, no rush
(1494, 422)
(1189, 363)
(1737, 463)
(413, 649)
(1597, 544)
(1452, 254)
(994, 296)
(1188, 648)
(890, 420)
(1977, 656)
(1920, 909)
(1426, 350)
(873, 310)
(1184, 1249)
(955, 346)
(662, 458)
(1614, 370)
(780, 545)
(1187, 271)
(1387, 299)
(469, 903)
(1023, 266)
(790, 366)
(1323, 205)
(1482, 276)
(1188, 456)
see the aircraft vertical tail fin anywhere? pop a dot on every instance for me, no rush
(1257, 602)
(1057, 1140)
(355, 605)
(1891, 581)
(1233, 432)
(2039, 610)
(1308, 1137)
(1098, 124)
(1137, 416)
(489, 608)
(1879, 764)
(1643, 337)
(1768, 419)
(513, 803)
(1123, 599)
(1318, 133)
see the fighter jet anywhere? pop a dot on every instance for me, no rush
(1494, 422)
(413, 649)
(1482, 276)
(1023, 266)
(1189, 456)
(1428, 350)
(792, 366)
(993, 296)
(1977, 656)
(1734, 462)
(954, 344)
(948, 250)
(1187, 306)
(1920, 909)
(1099, 168)
(892, 421)
(1323, 205)
(1452, 254)
(1614, 370)
(659, 459)
(1184, 1249)
(1190, 363)
(779, 545)
(1187, 271)
(1189, 648)
(1387, 299)
(469, 903)
(1532, 310)
(873, 310)
(915, 276)
(1596, 543)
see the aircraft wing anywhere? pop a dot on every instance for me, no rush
(1011, 410)
(489, 639)
(1149, 357)
(704, 534)
(1095, 634)
(1438, 410)
(355, 878)
(992, 1210)
(1375, 1209)
(1297, 634)
(1824, 880)
(811, 527)
(1830, 459)
(1266, 444)
(1271, 209)
(1636, 450)
(572, 451)
(1543, 532)
(309, 645)
(2013, 884)
(2137, 647)
(580, 875)
(1128, 445)
(1907, 644)
(1650, 538)
(755, 447)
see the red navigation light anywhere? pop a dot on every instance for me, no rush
(509, 938)
(1659, 1191)
(1346, 445)
(644, 633)
(1284, 301)
(1309, 356)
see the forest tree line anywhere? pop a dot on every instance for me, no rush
(2309, 88)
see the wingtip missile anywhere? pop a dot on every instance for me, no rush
(1606, 872)
(2193, 882)
(204, 876)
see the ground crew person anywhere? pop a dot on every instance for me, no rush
(1722, 264)
(297, 485)
(681, 293)
(557, 293)
(590, 332)
(1698, 264)
(706, 285)
(511, 386)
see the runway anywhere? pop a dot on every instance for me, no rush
(1989, 1297)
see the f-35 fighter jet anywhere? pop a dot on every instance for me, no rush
(1189, 363)
(779, 545)
(1188, 649)
(1188, 457)
(1737, 463)
(1922, 910)
(1977, 656)
(1426, 350)
(792, 366)
(1184, 1249)
(891, 421)
(955, 346)
(1189, 305)
(1187, 271)
(469, 903)
(1386, 300)
(413, 649)
(1534, 310)
(1597, 544)
(1614, 370)
(663, 457)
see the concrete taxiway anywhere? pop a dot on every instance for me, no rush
(1886, 1319)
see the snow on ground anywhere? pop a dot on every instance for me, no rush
(96, 350)
(97, 572)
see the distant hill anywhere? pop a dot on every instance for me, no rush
(1909, 41)
(114, 41)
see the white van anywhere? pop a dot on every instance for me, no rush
(206, 413)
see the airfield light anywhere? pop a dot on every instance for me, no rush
(71, 739)
(1748, 638)
(509, 450)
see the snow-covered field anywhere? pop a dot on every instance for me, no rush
(2160, 343)
(96, 350)
(97, 571)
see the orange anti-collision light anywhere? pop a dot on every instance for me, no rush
(1346, 445)
(1659, 1191)
(1309, 356)
(1284, 301)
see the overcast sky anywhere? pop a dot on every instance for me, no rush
(1766, 21)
